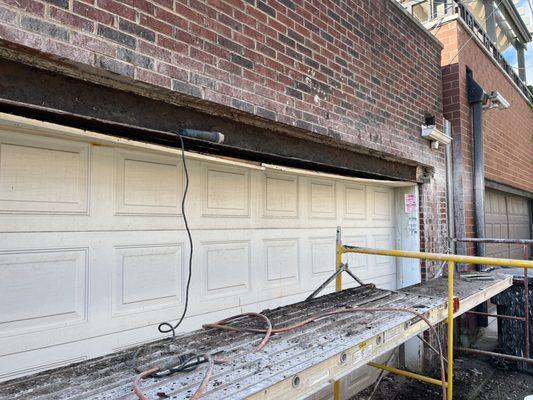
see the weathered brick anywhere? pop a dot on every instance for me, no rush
(243, 62)
(266, 8)
(7, 15)
(229, 44)
(155, 51)
(118, 8)
(294, 93)
(153, 78)
(31, 6)
(113, 65)
(116, 36)
(136, 30)
(71, 19)
(288, 3)
(203, 81)
(91, 43)
(172, 71)
(187, 88)
(263, 112)
(284, 39)
(66, 51)
(59, 3)
(92, 13)
(243, 105)
(135, 58)
(44, 28)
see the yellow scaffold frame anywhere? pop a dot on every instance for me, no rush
(451, 259)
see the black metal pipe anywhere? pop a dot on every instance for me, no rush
(477, 97)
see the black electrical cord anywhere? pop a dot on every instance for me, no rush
(166, 327)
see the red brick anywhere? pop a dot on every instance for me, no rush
(152, 78)
(92, 13)
(171, 44)
(172, 71)
(31, 6)
(156, 25)
(71, 20)
(91, 43)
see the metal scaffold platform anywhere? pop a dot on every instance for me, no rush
(294, 364)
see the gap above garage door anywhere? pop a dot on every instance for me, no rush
(93, 250)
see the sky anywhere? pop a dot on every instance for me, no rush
(510, 53)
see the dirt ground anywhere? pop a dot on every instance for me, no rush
(475, 379)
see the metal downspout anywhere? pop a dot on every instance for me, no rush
(477, 97)
(450, 206)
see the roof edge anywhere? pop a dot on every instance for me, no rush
(419, 24)
(517, 20)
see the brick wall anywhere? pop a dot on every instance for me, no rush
(508, 134)
(342, 69)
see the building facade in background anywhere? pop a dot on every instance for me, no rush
(492, 143)
(474, 36)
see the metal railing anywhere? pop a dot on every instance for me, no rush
(451, 259)
(439, 11)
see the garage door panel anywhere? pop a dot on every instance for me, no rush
(357, 262)
(227, 191)
(42, 289)
(225, 271)
(147, 277)
(147, 184)
(282, 262)
(280, 197)
(322, 199)
(43, 175)
(382, 204)
(355, 202)
(321, 257)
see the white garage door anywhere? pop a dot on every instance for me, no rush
(93, 253)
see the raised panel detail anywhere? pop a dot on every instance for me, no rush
(147, 277)
(323, 255)
(42, 175)
(322, 199)
(382, 204)
(358, 262)
(281, 261)
(281, 196)
(354, 202)
(227, 191)
(41, 289)
(226, 268)
(384, 265)
(147, 184)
